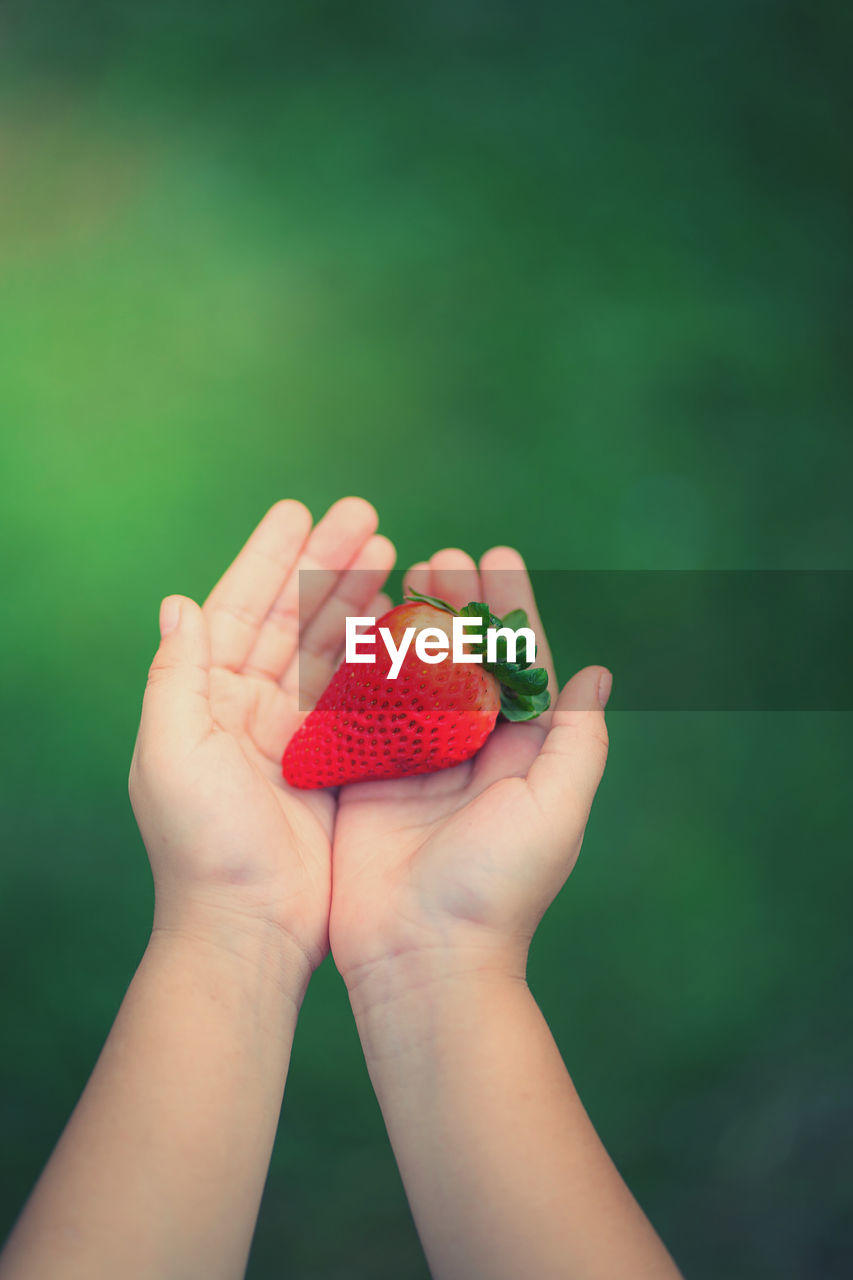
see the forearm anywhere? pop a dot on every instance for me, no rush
(160, 1170)
(505, 1174)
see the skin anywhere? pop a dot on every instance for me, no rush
(439, 883)
(427, 890)
(160, 1170)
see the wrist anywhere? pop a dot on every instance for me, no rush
(255, 945)
(410, 992)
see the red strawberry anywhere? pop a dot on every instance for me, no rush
(366, 725)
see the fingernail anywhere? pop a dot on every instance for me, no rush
(605, 684)
(170, 615)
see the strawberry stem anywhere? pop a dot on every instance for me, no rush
(418, 597)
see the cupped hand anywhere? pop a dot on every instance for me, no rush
(227, 838)
(458, 866)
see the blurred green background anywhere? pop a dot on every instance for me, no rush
(573, 277)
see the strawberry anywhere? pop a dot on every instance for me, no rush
(366, 725)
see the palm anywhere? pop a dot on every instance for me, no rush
(281, 836)
(417, 856)
(454, 853)
(257, 716)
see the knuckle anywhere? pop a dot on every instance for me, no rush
(158, 673)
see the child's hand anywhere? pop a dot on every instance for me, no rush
(232, 847)
(439, 881)
(452, 871)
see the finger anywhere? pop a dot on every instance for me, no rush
(506, 586)
(418, 578)
(377, 608)
(241, 599)
(379, 605)
(323, 639)
(454, 577)
(354, 591)
(565, 775)
(332, 546)
(176, 704)
(508, 752)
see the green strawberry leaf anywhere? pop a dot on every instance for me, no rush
(527, 681)
(523, 686)
(418, 597)
(476, 609)
(517, 706)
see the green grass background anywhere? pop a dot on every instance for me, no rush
(573, 277)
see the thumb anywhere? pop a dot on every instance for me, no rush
(176, 705)
(566, 773)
